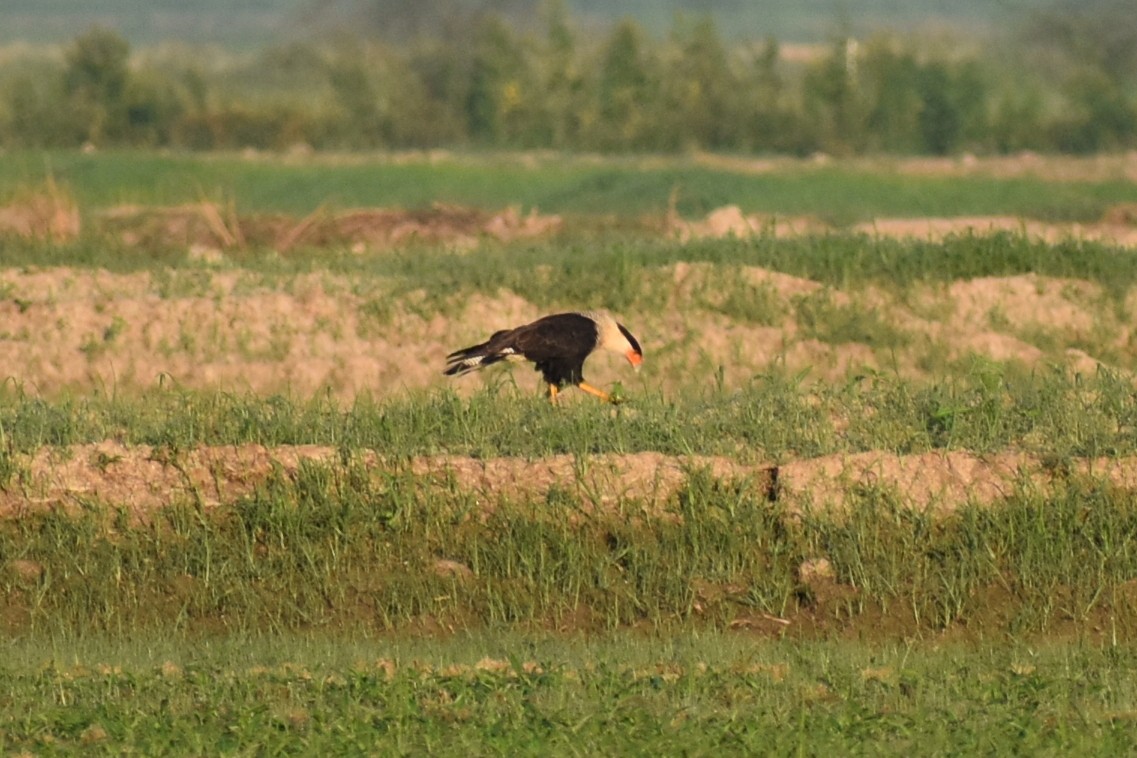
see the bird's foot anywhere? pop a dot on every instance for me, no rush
(598, 393)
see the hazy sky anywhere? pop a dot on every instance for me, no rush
(240, 23)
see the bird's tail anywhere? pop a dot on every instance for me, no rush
(475, 357)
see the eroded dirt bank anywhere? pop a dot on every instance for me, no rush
(142, 479)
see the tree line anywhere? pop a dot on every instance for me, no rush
(620, 90)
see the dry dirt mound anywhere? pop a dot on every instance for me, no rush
(1094, 168)
(729, 221)
(1122, 214)
(45, 214)
(209, 225)
(990, 316)
(78, 329)
(691, 277)
(143, 479)
(937, 229)
(1102, 167)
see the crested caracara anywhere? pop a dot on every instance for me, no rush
(557, 345)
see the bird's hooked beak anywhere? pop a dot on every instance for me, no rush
(635, 359)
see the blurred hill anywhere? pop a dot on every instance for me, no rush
(251, 23)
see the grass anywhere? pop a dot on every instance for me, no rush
(307, 618)
(346, 605)
(622, 271)
(985, 408)
(820, 318)
(347, 548)
(529, 696)
(567, 185)
(347, 682)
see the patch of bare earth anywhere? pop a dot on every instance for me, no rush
(1116, 227)
(1094, 168)
(730, 221)
(937, 229)
(80, 329)
(991, 316)
(48, 213)
(77, 329)
(207, 226)
(143, 480)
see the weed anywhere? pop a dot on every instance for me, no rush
(615, 694)
(825, 320)
(354, 549)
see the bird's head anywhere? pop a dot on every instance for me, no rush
(615, 337)
(633, 353)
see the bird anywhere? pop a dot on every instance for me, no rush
(557, 345)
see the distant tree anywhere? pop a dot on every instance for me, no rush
(425, 73)
(832, 99)
(1099, 34)
(700, 92)
(1087, 50)
(1016, 120)
(890, 79)
(354, 75)
(972, 94)
(154, 105)
(498, 82)
(443, 71)
(770, 116)
(624, 91)
(35, 115)
(769, 84)
(95, 82)
(562, 80)
(939, 117)
(1101, 117)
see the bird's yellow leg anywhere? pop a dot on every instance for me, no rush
(553, 394)
(593, 391)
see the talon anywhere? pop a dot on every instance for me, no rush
(594, 391)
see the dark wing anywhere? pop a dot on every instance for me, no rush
(557, 344)
(477, 356)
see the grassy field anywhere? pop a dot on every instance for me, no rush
(557, 696)
(869, 493)
(361, 549)
(839, 193)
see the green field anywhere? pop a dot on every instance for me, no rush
(869, 494)
(577, 186)
(491, 695)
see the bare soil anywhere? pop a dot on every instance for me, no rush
(1117, 227)
(64, 329)
(211, 227)
(1094, 168)
(143, 479)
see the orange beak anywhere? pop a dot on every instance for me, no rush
(634, 358)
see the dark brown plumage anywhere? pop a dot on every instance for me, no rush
(557, 345)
